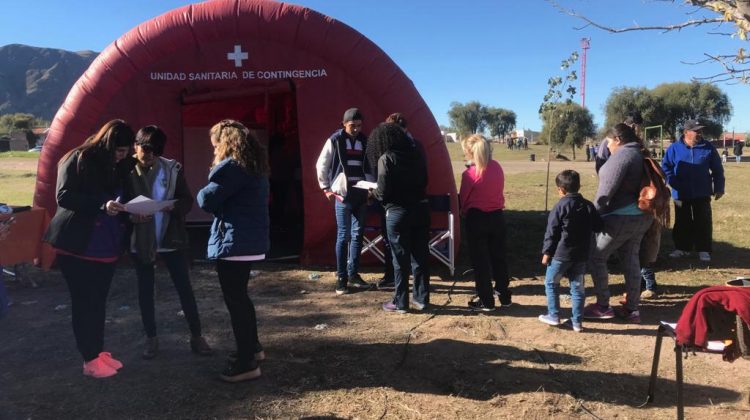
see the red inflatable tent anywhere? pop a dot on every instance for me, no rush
(285, 71)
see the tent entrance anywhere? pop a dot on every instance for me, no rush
(270, 112)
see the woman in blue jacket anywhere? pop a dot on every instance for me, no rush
(237, 196)
(694, 171)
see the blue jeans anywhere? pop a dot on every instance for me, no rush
(408, 233)
(350, 224)
(3, 296)
(649, 278)
(574, 271)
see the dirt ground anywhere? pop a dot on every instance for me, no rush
(343, 357)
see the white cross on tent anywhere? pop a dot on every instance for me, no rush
(237, 56)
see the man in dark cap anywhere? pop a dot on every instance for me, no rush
(342, 164)
(694, 172)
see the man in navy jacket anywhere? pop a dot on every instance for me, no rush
(694, 171)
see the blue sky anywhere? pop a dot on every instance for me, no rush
(499, 52)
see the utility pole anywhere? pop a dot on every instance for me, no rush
(585, 45)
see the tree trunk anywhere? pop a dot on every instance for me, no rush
(574, 151)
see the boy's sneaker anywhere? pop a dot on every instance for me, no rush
(704, 256)
(110, 361)
(98, 368)
(649, 294)
(386, 283)
(678, 253)
(595, 311)
(341, 288)
(418, 306)
(575, 326)
(549, 319)
(477, 305)
(632, 317)
(356, 281)
(391, 307)
(238, 371)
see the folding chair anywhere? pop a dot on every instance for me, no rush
(442, 233)
(740, 336)
(374, 229)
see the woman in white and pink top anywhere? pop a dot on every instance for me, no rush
(482, 204)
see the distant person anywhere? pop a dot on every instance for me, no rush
(344, 153)
(88, 234)
(162, 234)
(237, 195)
(401, 189)
(738, 145)
(694, 171)
(724, 155)
(525, 143)
(624, 225)
(567, 243)
(588, 153)
(482, 203)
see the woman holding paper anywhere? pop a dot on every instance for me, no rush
(162, 233)
(87, 232)
(237, 196)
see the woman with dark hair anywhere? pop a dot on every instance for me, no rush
(162, 234)
(88, 233)
(624, 225)
(237, 196)
(402, 182)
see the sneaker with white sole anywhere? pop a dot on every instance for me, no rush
(678, 253)
(704, 256)
(596, 311)
(575, 326)
(549, 319)
(98, 368)
(631, 317)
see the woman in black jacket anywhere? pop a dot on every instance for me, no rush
(402, 182)
(87, 233)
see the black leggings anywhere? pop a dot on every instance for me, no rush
(486, 236)
(88, 282)
(177, 265)
(233, 277)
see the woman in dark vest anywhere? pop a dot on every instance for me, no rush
(88, 232)
(237, 196)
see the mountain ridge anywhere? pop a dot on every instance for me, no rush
(36, 80)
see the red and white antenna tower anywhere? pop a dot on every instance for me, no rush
(585, 45)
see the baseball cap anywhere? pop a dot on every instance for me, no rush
(352, 114)
(692, 125)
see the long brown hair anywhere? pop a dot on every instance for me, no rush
(233, 140)
(97, 153)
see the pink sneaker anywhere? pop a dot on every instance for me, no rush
(97, 368)
(595, 311)
(110, 361)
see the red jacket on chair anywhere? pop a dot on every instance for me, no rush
(693, 326)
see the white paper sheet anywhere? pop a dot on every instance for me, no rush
(366, 185)
(145, 206)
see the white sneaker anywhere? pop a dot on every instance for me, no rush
(704, 256)
(678, 253)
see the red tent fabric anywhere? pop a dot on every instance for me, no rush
(283, 70)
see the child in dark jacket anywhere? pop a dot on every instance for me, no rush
(567, 242)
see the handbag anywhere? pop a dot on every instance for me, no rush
(340, 183)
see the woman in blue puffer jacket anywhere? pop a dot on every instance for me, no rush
(694, 171)
(237, 196)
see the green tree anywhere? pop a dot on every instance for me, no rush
(500, 121)
(568, 125)
(670, 105)
(469, 118)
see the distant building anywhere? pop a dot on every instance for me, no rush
(15, 142)
(450, 137)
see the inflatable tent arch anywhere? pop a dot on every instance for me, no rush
(285, 71)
